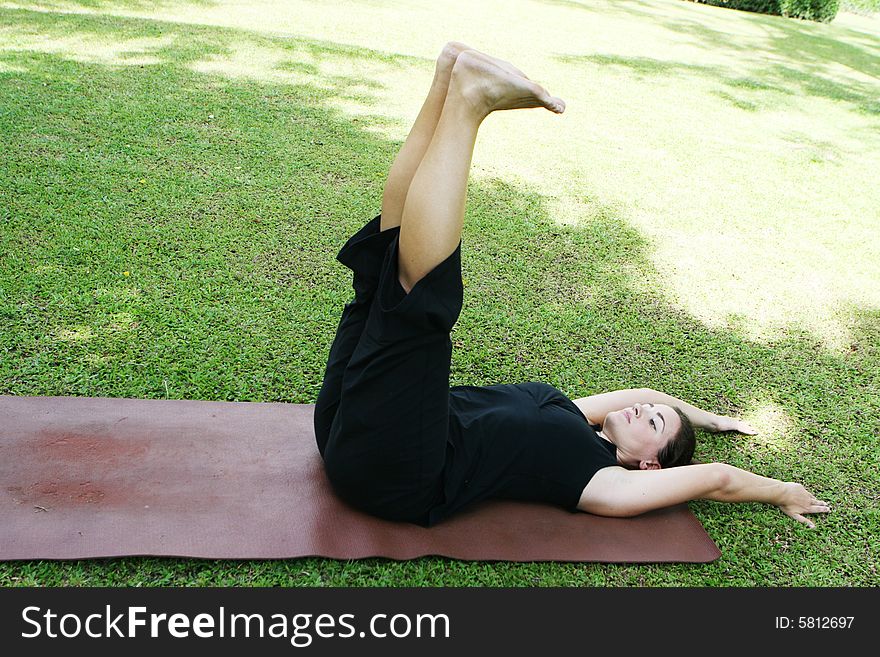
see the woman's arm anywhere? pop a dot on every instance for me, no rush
(596, 407)
(617, 492)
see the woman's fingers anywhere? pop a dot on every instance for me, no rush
(818, 506)
(747, 429)
(799, 501)
(807, 522)
(800, 518)
(734, 424)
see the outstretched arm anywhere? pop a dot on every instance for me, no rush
(615, 491)
(596, 407)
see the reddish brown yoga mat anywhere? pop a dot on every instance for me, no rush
(85, 477)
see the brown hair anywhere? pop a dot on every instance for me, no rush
(680, 448)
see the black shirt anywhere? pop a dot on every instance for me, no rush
(525, 441)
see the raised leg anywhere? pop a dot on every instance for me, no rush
(382, 427)
(354, 315)
(409, 157)
(433, 211)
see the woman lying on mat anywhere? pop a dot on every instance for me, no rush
(399, 443)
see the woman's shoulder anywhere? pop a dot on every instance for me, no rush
(542, 392)
(537, 389)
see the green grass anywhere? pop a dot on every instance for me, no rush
(176, 179)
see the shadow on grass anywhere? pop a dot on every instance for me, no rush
(760, 84)
(811, 48)
(226, 200)
(98, 5)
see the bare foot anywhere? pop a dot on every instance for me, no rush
(450, 53)
(447, 58)
(453, 49)
(488, 87)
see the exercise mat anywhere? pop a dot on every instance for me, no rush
(84, 477)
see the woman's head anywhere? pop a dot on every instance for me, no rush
(680, 448)
(650, 436)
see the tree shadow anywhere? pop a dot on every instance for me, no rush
(801, 42)
(753, 92)
(99, 5)
(249, 189)
(640, 65)
(810, 50)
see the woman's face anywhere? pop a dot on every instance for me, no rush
(640, 432)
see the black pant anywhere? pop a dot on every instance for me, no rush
(382, 416)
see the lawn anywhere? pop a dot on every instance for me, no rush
(177, 177)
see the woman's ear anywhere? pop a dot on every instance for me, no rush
(649, 465)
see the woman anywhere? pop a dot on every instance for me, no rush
(399, 443)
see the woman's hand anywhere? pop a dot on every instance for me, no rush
(723, 423)
(795, 500)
